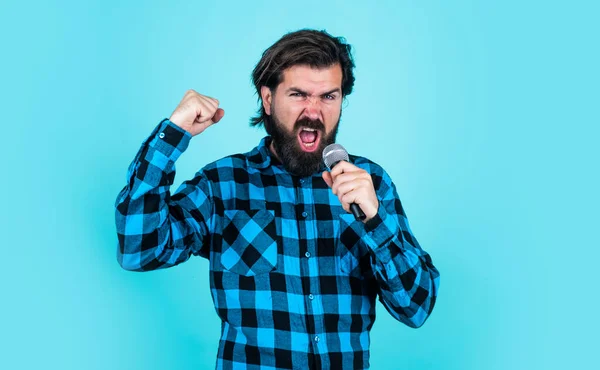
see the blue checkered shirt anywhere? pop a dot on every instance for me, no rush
(294, 278)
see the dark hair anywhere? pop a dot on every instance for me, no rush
(317, 49)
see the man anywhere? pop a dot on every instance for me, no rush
(294, 276)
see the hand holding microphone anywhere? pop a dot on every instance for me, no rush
(196, 112)
(352, 185)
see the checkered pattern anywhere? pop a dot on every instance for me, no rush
(248, 244)
(294, 278)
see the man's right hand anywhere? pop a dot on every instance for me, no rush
(195, 113)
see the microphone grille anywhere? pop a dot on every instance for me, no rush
(334, 153)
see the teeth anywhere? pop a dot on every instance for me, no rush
(309, 129)
(308, 144)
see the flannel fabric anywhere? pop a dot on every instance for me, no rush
(294, 278)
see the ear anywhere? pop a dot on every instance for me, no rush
(266, 96)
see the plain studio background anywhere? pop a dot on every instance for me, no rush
(484, 114)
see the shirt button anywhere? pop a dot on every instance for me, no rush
(161, 135)
(311, 297)
(304, 214)
(302, 181)
(316, 338)
(307, 254)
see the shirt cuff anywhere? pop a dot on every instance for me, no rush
(381, 228)
(170, 140)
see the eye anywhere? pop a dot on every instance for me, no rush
(296, 94)
(329, 97)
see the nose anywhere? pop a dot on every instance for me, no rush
(313, 108)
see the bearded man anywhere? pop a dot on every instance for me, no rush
(294, 275)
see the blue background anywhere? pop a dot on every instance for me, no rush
(485, 114)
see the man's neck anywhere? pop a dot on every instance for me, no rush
(272, 149)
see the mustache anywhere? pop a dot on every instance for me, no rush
(307, 122)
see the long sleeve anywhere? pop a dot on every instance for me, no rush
(408, 281)
(156, 230)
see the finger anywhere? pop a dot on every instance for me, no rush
(338, 169)
(351, 197)
(358, 185)
(342, 167)
(340, 180)
(327, 177)
(200, 127)
(209, 101)
(344, 178)
(218, 115)
(345, 206)
(207, 112)
(346, 187)
(214, 102)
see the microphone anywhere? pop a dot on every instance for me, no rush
(332, 155)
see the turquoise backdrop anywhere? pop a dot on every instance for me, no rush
(485, 114)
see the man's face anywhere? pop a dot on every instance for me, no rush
(305, 110)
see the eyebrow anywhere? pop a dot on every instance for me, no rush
(295, 89)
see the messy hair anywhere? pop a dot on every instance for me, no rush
(317, 49)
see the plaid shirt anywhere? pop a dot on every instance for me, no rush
(294, 278)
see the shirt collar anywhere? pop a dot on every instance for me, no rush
(261, 156)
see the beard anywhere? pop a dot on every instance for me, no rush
(294, 159)
(286, 145)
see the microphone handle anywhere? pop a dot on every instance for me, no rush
(359, 215)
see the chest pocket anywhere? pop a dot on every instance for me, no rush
(354, 257)
(249, 242)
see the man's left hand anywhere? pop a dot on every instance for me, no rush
(352, 184)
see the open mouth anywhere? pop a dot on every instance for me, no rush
(309, 139)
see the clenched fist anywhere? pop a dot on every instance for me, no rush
(195, 113)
